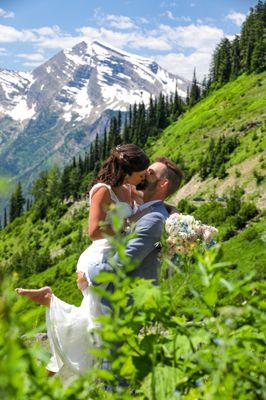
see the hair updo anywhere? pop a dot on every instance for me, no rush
(123, 160)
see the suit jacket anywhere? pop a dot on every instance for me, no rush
(144, 248)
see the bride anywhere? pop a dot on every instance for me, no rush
(69, 327)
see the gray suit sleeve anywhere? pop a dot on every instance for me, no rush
(148, 230)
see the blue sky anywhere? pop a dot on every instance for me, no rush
(178, 34)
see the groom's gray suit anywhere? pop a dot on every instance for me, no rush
(144, 248)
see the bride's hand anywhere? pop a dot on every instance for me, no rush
(81, 281)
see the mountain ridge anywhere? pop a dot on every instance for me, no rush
(53, 113)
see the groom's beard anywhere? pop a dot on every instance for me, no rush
(142, 185)
(148, 188)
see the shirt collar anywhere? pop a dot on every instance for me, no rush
(148, 204)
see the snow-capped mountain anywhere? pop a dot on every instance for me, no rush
(54, 112)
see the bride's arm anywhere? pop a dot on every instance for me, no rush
(100, 202)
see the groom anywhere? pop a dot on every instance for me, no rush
(163, 178)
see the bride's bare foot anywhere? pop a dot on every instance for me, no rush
(41, 296)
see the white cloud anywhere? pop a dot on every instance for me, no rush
(166, 4)
(143, 20)
(118, 39)
(171, 16)
(150, 42)
(236, 17)
(180, 64)
(135, 39)
(58, 42)
(6, 14)
(203, 37)
(3, 51)
(48, 31)
(32, 64)
(120, 21)
(9, 34)
(32, 56)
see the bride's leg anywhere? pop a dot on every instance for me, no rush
(41, 296)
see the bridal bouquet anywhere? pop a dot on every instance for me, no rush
(185, 232)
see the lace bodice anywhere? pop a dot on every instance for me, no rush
(124, 210)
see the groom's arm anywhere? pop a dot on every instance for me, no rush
(148, 233)
(148, 230)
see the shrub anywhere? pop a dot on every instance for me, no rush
(64, 229)
(211, 213)
(247, 211)
(258, 176)
(250, 233)
(184, 206)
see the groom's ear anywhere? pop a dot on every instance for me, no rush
(165, 183)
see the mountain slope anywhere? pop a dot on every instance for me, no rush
(54, 113)
(237, 109)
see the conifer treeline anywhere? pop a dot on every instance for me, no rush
(138, 125)
(246, 53)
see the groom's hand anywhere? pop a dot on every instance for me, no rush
(81, 281)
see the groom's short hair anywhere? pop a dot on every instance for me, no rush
(173, 173)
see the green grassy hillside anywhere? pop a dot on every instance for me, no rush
(238, 108)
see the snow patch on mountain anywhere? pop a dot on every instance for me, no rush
(21, 111)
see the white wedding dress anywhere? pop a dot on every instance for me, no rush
(69, 327)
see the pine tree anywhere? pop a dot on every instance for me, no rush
(126, 133)
(28, 204)
(53, 184)
(104, 148)
(187, 96)
(161, 116)
(81, 165)
(16, 203)
(247, 42)
(97, 148)
(224, 67)
(133, 135)
(141, 131)
(151, 113)
(65, 188)
(74, 164)
(214, 67)
(235, 57)
(5, 218)
(194, 91)
(39, 186)
(119, 121)
(258, 59)
(92, 159)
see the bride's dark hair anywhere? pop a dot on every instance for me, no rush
(123, 160)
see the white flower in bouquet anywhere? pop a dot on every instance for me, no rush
(185, 232)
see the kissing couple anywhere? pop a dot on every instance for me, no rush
(138, 189)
